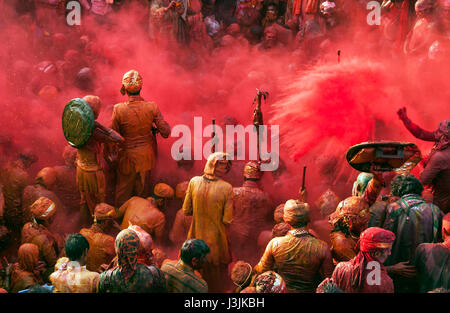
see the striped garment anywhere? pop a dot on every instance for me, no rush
(181, 278)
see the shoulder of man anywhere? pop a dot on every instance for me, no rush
(85, 232)
(343, 268)
(322, 245)
(338, 237)
(426, 207)
(340, 242)
(43, 240)
(151, 105)
(195, 179)
(168, 265)
(154, 270)
(157, 278)
(154, 215)
(104, 280)
(277, 241)
(394, 209)
(441, 156)
(148, 271)
(424, 248)
(104, 240)
(119, 106)
(379, 205)
(226, 186)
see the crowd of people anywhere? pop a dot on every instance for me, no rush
(307, 29)
(204, 234)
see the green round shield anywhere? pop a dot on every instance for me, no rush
(77, 122)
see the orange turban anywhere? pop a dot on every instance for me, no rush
(43, 208)
(48, 93)
(278, 213)
(327, 202)
(280, 230)
(131, 82)
(103, 211)
(163, 191)
(351, 206)
(252, 170)
(296, 212)
(46, 177)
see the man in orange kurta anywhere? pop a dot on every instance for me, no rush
(43, 211)
(134, 119)
(209, 199)
(101, 244)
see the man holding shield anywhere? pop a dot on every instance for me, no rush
(90, 176)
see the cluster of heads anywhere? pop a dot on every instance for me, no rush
(352, 214)
(134, 243)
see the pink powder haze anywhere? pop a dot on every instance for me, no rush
(322, 108)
